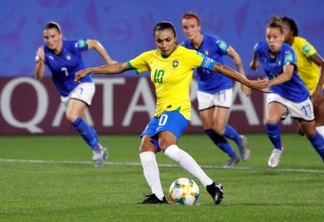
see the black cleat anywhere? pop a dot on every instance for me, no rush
(152, 199)
(216, 191)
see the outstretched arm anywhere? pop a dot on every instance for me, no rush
(259, 85)
(238, 62)
(94, 44)
(113, 69)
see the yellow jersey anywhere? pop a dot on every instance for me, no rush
(171, 77)
(308, 70)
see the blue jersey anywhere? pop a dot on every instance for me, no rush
(209, 81)
(64, 66)
(294, 89)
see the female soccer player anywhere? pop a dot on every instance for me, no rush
(215, 91)
(289, 93)
(171, 69)
(63, 58)
(310, 69)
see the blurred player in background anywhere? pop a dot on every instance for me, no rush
(63, 58)
(215, 91)
(310, 69)
(171, 69)
(289, 94)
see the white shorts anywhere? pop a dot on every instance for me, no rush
(303, 110)
(221, 99)
(83, 92)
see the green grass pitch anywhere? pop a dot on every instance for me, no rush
(52, 178)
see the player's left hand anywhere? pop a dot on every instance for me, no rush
(246, 90)
(318, 97)
(81, 74)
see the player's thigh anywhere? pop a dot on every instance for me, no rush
(307, 127)
(206, 116)
(170, 128)
(274, 112)
(220, 119)
(147, 145)
(319, 114)
(75, 108)
(275, 108)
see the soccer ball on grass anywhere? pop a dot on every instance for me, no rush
(184, 191)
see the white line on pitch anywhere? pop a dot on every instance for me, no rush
(162, 165)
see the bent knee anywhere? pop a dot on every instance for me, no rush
(147, 146)
(70, 117)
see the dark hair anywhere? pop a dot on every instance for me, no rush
(276, 22)
(53, 25)
(292, 24)
(164, 25)
(189, 15)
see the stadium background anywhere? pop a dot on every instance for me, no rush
(124, 104)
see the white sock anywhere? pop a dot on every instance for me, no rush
(151, 173)
(188, 163)
(320, 130)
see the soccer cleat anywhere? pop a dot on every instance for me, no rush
(216, 191)
(152, 199)
(244, 149)
(232, 162)
(100, 157)
(274, 158)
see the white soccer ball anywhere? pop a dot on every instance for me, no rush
(184, 191)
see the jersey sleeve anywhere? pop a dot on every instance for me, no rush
(140, 63)
(308, 50)
(222, 46)
(290, 57)
(81, 45)
(198, 59)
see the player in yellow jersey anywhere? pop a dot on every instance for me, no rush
(310, 67)
(171, 69)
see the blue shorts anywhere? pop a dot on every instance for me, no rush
(171, 121)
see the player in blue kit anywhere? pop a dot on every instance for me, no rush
(63, 58)
(289, 94)
(215, 91)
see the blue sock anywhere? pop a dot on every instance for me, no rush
(273, 131)
(221, 142)
(317, 142)
(232, 134)
(86, 131)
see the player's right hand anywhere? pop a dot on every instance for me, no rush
(40, 54)
(254, 65)
(260, 85)
(81, 74)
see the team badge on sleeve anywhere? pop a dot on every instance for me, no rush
(306, 48)
(288, 58)
(222, 45)
(81, 44)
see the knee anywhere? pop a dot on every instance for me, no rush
(70, 117)
(147, 146)
(218, 128)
